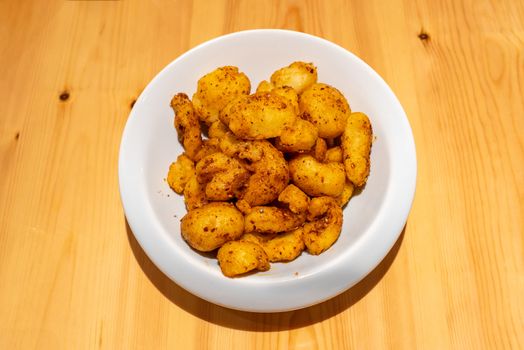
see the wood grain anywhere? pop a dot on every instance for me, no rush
(72, 275)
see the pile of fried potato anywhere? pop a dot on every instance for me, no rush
(275, 169)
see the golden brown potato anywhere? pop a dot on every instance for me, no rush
(180, 172)
(217, 130)
(187, 124)
(210, 226)
(356, 147)
(320, 150)
(265, 86)
(315, 178)
(326, 223)
(258, 116)
(299, 137)
(289, 94)
(334, 155)
(238, 257)
(258, 238)
(243, 206)
(346, 194)
(242, 161)
(223, 175)
(270, 172)
(272, 220)
(216, 89)
(194, 194)
(285, 246)
(326, 108)
(231, 146)
(298, 75)
(208, 147)
(296, 200)
(279, 247)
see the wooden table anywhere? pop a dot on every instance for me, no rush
(71, 274)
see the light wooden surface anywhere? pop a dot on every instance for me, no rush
(71, 274)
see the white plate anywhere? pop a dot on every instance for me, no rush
(373, 220)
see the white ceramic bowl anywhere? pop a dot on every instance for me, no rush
(373, 219)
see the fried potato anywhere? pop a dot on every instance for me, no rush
(326, 223)
(180, 172)
(223, 175)
(231, 145)
(216, 89)
(258, 116)
(298, 75)
(315, 178)
(299, 137)
(356, 148)
(320, 150)
(208, 147)
(346, 194)
(187, 124)
(334, 155)
(258, 238)
(248, 152)
(238, 257)
(217, 130)
(270, 172)
(285, 246)
(194, 194)
(289, 94)
(326, 108)
(296, 200)
(210, 226)
(265, 86)
(291, 129)
(243, 206)
(272, 220)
